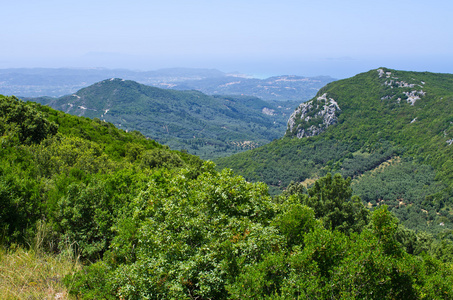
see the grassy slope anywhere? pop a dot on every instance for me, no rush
(27, 274)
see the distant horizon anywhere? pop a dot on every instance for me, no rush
(335, 68)
(258, 37)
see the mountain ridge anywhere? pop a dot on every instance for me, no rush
(204, 125)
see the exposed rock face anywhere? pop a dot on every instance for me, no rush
(313, 117)
(414, 96)
(411, 96)
(268, 111)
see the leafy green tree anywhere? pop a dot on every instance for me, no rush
(22, 121)
(190, 236)
(85, 217)
(385, 226)
(61, 154)
(295, 221)
(331, 199)
(20, 205)
(262, 280)
(158, 158)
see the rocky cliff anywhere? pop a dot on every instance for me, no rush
(313, 117)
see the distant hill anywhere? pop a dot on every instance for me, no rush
(208, 126)
(274, 88)
(391, 131)
(58, 82)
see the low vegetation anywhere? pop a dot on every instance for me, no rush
(26, 274)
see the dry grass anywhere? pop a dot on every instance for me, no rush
(390, 162)
(34, 274)
(25, 274)
(309, 181)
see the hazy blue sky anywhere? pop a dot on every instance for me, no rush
(322, 37)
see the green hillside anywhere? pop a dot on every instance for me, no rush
(392, 132)
(145, 222)
(45, 152)
(208, 126)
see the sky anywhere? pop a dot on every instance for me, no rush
(260, 38)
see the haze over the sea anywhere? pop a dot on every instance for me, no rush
(261, 38)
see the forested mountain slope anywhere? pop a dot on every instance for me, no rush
(207, 126)
(151, 223)
(391, 131)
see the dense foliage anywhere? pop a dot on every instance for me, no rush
(151, 223)
(218, 236)
(86, 166)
